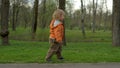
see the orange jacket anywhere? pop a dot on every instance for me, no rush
(56, 31)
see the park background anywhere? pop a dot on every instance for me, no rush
(88, 31)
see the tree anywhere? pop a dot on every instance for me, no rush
(106, 16)
(100, 14)
(62, 6)
(76, 19)
(15, 12)
(82, 18)
(89, 8)
(16, 6)
(116, 23)
(43, 12)
(35, 18)
(46, 9)
(69, 17)
(0, 9)
(13, 19)
(4, 22)
(94, 15)
(25, 16)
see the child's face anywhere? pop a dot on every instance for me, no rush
(62, 17)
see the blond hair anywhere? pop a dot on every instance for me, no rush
(57, 14)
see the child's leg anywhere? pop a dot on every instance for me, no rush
(58, 53)
(52, 50)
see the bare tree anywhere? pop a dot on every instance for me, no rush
(94, 15)
(4, 22)
(26, 13)
(0, 9)
(116, 23)
(89, 7)
(82, 19)
(16, 6)
(62, 6)
(15, 12)
(106, 16)
(100, 14)
(43, 16)
(35, 18)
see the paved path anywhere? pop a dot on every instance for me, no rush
(78, 65)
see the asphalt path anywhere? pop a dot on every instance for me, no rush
(69, 65)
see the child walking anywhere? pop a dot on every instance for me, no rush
(56, 35)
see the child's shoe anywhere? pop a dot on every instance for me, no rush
(61, 58)
(48, 60)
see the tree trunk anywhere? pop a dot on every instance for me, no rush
(25, 19)
(0, 11)
(16, 16)
(106, 16)
(13, 19)
(82, 19)
(94, 16)
(44, 12)
(4, 22)
(100, 21)
(62, 6)
(101, 14)
(16, 7)
(105, 22)
(116, 23)
(35, 18)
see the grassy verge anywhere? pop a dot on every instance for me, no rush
(82, 52)
(71, 35)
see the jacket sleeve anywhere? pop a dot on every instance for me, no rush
(59, 33)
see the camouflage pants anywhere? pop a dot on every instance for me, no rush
(55, 48)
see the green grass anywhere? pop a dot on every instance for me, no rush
(82, 52)
(99, 36)
(71, 35)
(96, 47)
(23, 52)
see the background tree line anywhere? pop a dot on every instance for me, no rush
(37, 14)
(21, 14)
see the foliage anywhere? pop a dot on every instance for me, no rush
(47, 15)
(73, 16)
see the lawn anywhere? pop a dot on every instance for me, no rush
(71, 35)
(78, 52)
(95, 48)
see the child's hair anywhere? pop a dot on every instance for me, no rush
(57, 14)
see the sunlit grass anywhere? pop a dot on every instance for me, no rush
(82, 52)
